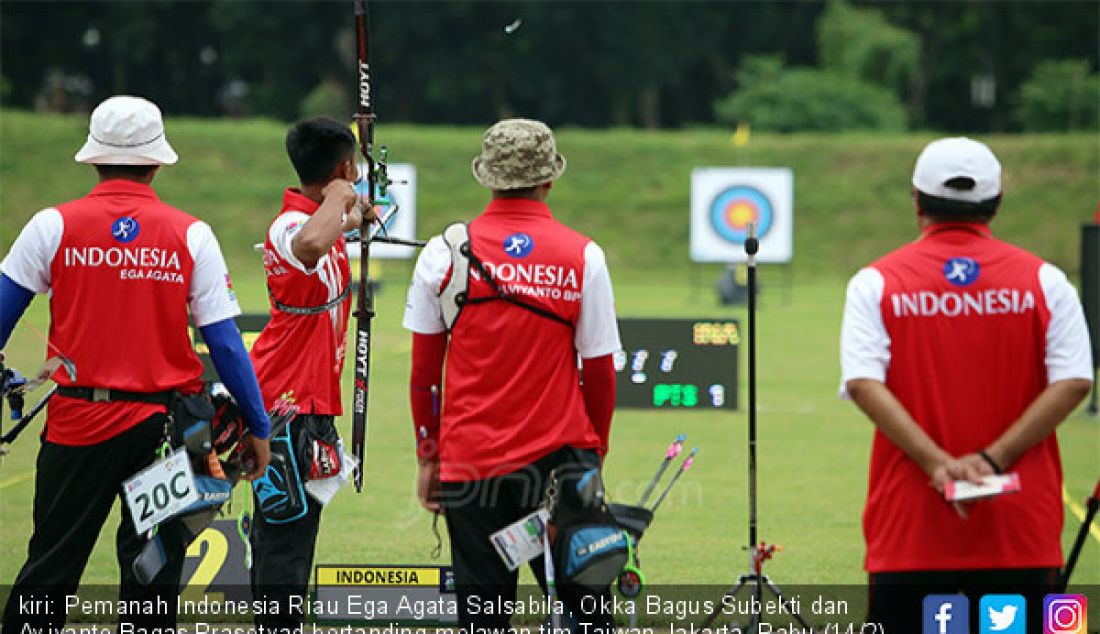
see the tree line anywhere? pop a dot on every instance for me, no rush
(967, 66)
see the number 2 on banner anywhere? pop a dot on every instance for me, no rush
(216, 551)
(161, 490)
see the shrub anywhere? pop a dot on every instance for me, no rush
(861, 43)
(328, 98)
(1059, 95)
(771, 97)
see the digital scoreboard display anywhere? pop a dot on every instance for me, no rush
(677, 364)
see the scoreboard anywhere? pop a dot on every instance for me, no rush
(677, 364)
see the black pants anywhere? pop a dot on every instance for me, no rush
(75, 488)
(895, 599)
(282, 554)
(475, 510)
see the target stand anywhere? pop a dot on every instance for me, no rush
(759, 552)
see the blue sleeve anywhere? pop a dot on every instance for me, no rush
(236, 372)
(14, 300)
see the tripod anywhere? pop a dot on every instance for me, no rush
(759, 552)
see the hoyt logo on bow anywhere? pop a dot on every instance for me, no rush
(364, 86)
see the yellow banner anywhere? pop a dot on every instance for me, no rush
(376, 576)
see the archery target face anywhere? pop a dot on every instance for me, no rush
(724, 201)
(734, 209)
(402, 192)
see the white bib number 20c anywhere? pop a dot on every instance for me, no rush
(160, 490)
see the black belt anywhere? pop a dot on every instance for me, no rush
(107, 395)
(309, 310)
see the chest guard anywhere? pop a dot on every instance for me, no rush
(456, 292)
(453, 297)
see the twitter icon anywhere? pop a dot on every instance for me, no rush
(1003, 614)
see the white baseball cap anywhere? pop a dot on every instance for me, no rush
(126, 130)
(971, 162)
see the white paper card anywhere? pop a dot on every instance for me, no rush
(160, 490)
(521, 541)
(961, 490)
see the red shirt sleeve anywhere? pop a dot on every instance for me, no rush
(598, 387)
(426, 391)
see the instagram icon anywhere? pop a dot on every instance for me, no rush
(1065, 614)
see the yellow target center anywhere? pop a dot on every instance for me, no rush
(741, 213)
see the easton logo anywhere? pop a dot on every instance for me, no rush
(125, 229)
(601, 544)
(518, 245)
(961, 271)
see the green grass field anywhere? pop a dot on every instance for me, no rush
(813, 456)
(630, 190)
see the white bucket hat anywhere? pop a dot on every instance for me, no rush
(126, 130)
(969, 166)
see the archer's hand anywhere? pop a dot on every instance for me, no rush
(370, 215)
(354, 218)
(971, 468)
(257, 453)
(343, 192)
(427, 484)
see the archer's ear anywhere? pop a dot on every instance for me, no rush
(344, 170)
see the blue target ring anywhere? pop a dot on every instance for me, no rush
(382, 205)
(732, 210)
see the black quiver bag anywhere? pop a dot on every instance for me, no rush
(589, 547)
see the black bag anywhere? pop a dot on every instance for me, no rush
(590, 548)
(280, 497)
(191, 416)
(316, 443)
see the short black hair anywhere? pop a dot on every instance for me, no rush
(949, 210)
(127, 172)
(316, 146)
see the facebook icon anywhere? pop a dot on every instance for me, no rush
(946, 614)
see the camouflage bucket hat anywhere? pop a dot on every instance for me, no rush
(517, 153)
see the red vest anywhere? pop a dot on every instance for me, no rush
(120, 284)
(967, 321)
(512, 391)
(304, 353)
